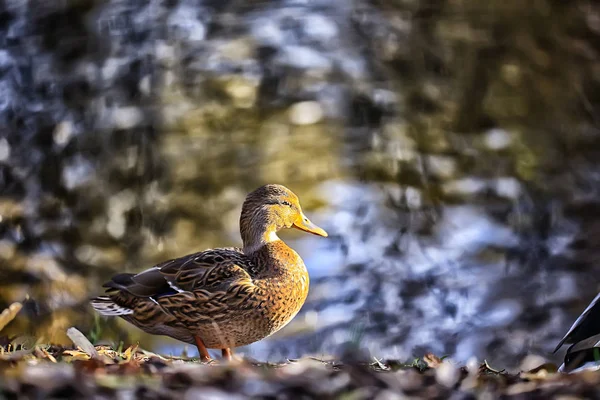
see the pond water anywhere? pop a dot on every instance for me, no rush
(450, 152)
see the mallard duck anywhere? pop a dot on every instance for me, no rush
(226, 297)
(584, 337)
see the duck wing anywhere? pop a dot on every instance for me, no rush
(582, 355)
(586, 325)
(210, 285)
(196, 288)
(208, 269)
(199, 288)
(211, 270)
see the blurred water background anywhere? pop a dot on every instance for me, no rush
(450, 147)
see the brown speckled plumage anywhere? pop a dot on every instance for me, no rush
(226, 297)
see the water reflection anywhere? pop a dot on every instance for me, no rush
(451, 158)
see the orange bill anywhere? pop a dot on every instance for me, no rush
(304, 224)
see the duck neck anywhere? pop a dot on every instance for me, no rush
(254, 242)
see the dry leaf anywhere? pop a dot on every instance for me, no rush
(41, 352)
(48, 355)
(150, 354)
(82, 342)
(107, 352)
(15, 355)
(542, 374)
(9, 314)
(76, 354)
(549, 367)
(432, 360)
(380, 364)
(129, 353)
(487, 366)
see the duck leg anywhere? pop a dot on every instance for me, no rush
(227, 354)
(204, 356)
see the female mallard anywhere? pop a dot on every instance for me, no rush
(227, 297)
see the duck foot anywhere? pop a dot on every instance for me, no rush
(204, 356)
(227, 354)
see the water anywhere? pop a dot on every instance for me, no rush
(450, 153)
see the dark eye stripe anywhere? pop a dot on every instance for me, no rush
(284, 203)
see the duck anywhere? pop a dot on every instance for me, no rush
(584, 337)
(222, 298)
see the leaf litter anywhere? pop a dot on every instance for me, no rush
(85, 370)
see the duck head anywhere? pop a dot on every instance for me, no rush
(269, 209)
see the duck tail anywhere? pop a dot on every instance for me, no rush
(105, 306)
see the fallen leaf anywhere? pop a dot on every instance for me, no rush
(539, 375)
(82, 342)
(432, 360)
(131, 350)
(107, 352)
(9, 314)
(549, 367)
(15, 355)
(380, 364)
(488, 368)
(150, 354)
(76, 354)
(48, 355)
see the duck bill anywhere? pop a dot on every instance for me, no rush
(304, 224)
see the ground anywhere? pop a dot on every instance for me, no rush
(58, 372)
(86, 371)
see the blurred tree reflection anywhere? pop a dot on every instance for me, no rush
(451, 146)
